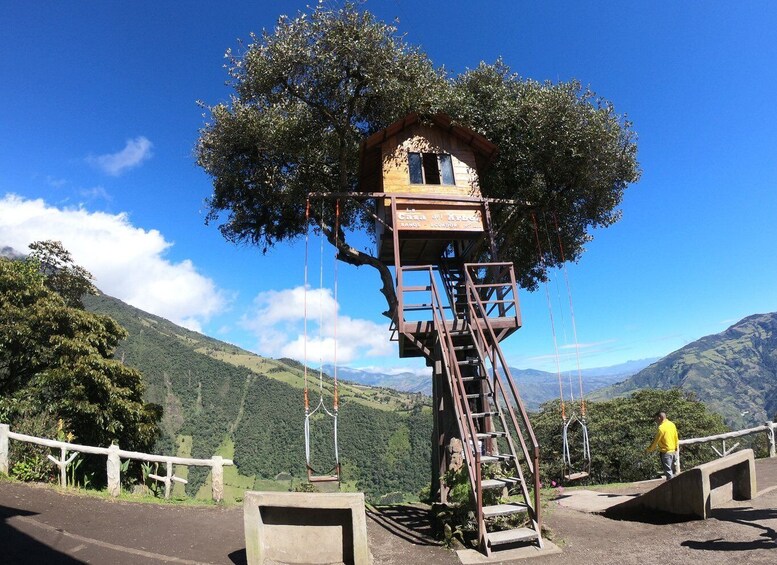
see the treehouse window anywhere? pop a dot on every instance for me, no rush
(430, 168)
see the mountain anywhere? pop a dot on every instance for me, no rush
(10, 253)
(405, 381)
(535, 386)
(220, 399)
(733, 372)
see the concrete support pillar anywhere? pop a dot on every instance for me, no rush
(63, 467)
(114, 471)
(217, 478)
(4, 431)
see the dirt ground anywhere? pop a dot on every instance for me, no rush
(41, 524)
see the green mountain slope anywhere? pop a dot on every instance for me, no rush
(734, 372)
(214, 392)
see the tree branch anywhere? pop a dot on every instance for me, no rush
(353, 256)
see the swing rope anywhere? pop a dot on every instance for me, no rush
(566, 455)
(320, 404)
(560, 311)
(550, 313)
(305, 334)
(572, 316)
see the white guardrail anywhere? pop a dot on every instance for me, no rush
(113, 466)
(768, 427)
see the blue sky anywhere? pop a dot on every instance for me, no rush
(99, 120)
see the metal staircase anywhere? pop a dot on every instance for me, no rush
(459, 330)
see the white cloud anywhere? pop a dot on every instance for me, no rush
(278, 322)
(134, 153)
(421, 371)
(127, 262)
(95, 193)
(55, 182)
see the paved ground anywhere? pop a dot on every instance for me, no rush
(42, 525)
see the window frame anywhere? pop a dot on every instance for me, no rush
(419, 161)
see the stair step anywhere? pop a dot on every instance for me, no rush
(510, 536)
(483, 414)
(499, 483)
(495, 458)
(504, 509)
(469, 361)
(473, 378)
(477, 395)
(487, 435)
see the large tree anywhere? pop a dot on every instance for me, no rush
(308, 92)
(56, 362)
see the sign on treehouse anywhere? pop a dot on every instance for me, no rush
(439, 217)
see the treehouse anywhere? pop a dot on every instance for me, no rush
(433, 225)
(428, 169)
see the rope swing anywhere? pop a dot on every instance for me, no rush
(333, 475)
(584, 467)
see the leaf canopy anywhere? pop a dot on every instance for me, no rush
(305, 96)
(307, 93)
(57, 360)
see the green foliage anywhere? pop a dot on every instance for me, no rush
(29, 462)
(305, 487)
(32, 469)
(306, 95)
(56, 362)
(620, 430)
(561, 148)
(149, 484)
(64, 277)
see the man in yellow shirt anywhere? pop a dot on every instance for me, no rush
(667, 442)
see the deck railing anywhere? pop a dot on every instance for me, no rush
(768, 427)
(113, 465)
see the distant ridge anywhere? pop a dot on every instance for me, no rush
(733, 372)
(535, 386)
(10, 253)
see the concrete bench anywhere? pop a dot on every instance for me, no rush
(301, 527)
(699, 490)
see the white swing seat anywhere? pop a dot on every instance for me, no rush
(576, 476)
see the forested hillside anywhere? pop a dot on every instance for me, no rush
(734, 372)
(213, 391)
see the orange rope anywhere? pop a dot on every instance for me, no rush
(552, 324)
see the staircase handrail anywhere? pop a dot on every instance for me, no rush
(496, 285)
(467, 429)
(493, 340)
(477, 306)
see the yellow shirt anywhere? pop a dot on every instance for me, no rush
(666, 438)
